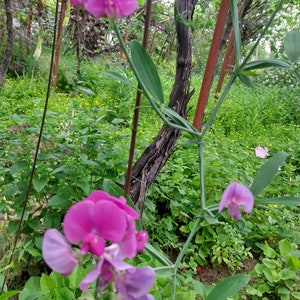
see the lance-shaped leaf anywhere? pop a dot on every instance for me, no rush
(147, 74)
(292, 45)
(266, 63)
(159, 255)
(236, 30)
(228, 287)
(286, 200)
(117, 76)
(179, 120)
(297, 75)
(267, 172)
(245, 79)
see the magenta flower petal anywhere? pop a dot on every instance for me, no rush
(57, 253)
(78, 221)
(76, 2)
(110, 8)
(94, 243)
(236, 195)
(99, 195)
(261, 152)
(141, 239)
(110, 221)
(129, 243)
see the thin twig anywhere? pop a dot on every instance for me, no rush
(36, 150)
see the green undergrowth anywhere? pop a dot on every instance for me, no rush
(86, 139)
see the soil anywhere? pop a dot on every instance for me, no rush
(209, 274)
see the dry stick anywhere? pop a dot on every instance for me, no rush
(227, 64)
(152, 42)
(137, 104)
(78, 39)
(125, 36)
(210, 64)
(58, 44)
(36, 150)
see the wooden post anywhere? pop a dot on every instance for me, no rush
(210, 65)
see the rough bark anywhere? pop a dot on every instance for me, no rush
(156, 155)
(8, 51)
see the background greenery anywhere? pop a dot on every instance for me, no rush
(86, 139)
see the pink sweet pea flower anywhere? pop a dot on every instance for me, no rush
(101, 217)
(261, 152)
(236, 195)
(57, 253)
(130, 283)
(108, 8)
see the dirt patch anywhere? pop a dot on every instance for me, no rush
(209, 274)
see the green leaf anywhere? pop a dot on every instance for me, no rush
(200, 288)
(296, 295)
(62, 198)
(84, 184)
(147, 73)
(119, 77)
(12, 227)
(266, 63)
(292, 45)
(267, 172)
(32, 289)
(237, 31)
(59, 201)
(269, 275)
(282, 290)
(33, 296)
(245, 79)
(228, 287)
(285, 247)
(19, 166)
(288, 200)
(269, 263)
(268, 251)
(293, 262)
(76, 277)
(64, 294)
(8, 295)
(179, 120)
(40, 182)
(286, 274)
(47, 284)
(297, 75)
(159, 255)
(35, 224)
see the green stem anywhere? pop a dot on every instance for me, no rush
(182, 253)
(140, 81)
(218, 105)
(165, 268)
(279, 6)
(96, 294)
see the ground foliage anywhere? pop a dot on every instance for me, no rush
(86, 139)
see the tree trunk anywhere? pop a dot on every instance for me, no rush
(158, 152)
(8, 51)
